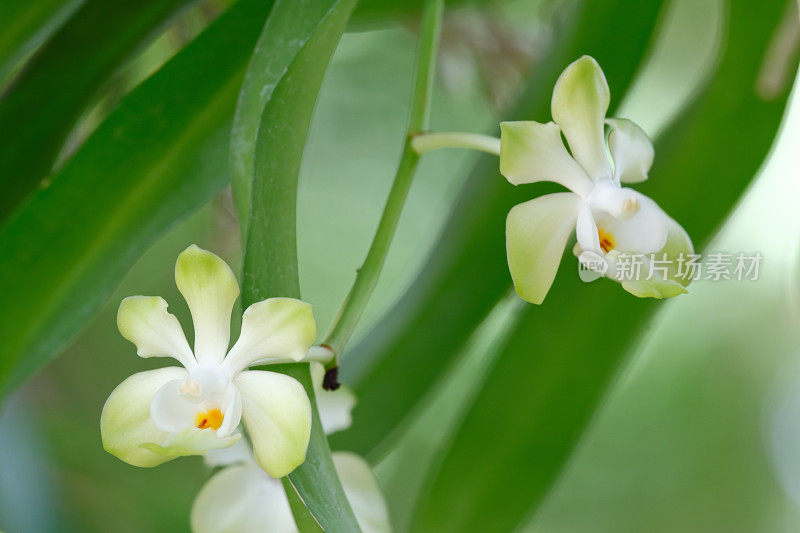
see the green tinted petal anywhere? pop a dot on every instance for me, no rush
(280, 328)
(191, 441)
(631, 151)
(678, 244)
(536, 235)
(531, 152)
(277, 414)
(210, 289)
(125, 422)
(144, 321)
(579, 105)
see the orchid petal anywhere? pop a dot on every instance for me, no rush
(579, 105)
(678, 244)
(191, 441)
(335, 406)
(238, 453)
(586, 231)
(531, 152)
(631, 151)
(232, 413)
(144, 321)
(210, 289)
(273, 328)
(170, 410)
(125, 422)
(643, 233)
(617, 201)
(363, 492)
(536, 235)
(277, 414)
(173, 410)
(242, 499)
(654, 288)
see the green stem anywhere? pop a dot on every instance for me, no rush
(367, 276)
(425, 142)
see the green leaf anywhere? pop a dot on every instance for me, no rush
(160, 155)
(316, 481)
(26, 25)
(401, 358)
(61, 80)
(537, 401)
(302, 517)
(370, 13)
(287, 32)
(270, 130)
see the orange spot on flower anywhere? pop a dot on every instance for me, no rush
(209, 419)
(606, 240)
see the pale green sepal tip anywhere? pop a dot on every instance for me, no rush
(298, 324)
(659, 289)
(132, 308)
(678, 242)
(204, 268)
(579, 104)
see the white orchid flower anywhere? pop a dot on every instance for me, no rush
(242, 498)
(611, 221)
(158, 415)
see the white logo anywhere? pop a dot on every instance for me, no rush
(591, 266)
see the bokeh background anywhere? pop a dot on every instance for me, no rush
(701, 430)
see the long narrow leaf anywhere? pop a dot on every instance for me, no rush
(160, 155)
(43, 104)
(271, 126)
(26, 25)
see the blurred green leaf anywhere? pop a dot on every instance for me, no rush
(401, 358)
(370, 13)
(267, 144)
(160, 155)
(556, 366)
(26, 24)
(60, 81)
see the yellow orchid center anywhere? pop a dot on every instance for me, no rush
(209, 419)
(607, 242)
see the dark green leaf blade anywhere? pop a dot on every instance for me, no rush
(552, 375)
(59, 82)
(405, 353)
(160, 155)
(26, 25)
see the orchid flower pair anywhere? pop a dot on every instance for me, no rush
(158, 415)
(242, 498)
(611, 221)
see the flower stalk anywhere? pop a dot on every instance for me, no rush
(367, 277)
(426, 142)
